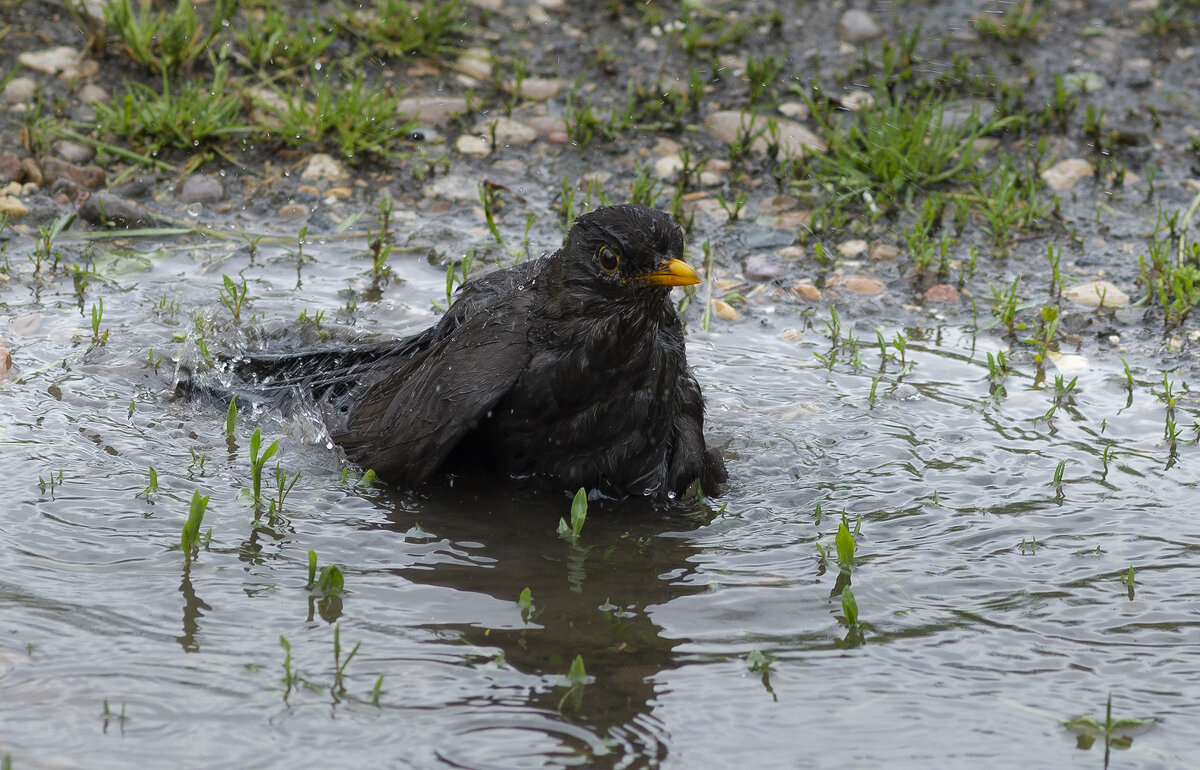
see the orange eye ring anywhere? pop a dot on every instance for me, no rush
(608, 260)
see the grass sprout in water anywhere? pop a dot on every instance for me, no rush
(579, 506)
(329, 582)
(190, 539)
(1116, 733)
(257, 462)
(576, 679)
(854, 627)
(525, 604)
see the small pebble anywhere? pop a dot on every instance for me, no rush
(475, 146)
(778, 204)
(807, 291)
(12, 208)
(19, 91)
(794, 110)
(792, 138)
(857, 100)
(322, 167)
(292, 211)
(545, 126)
(51, 61)
(64, 190)
(883, 252)
(201, 188)
(943, 294)
(793, 220)
(760, 267)
(475, 63)
(668, 166)
(453, 187)
(1069, 363)
(108, 210)
(540, 89)
(725, 311)
(859, 284)
(32, 171)
(1096, 294)
(138, 187)
(73, 152)
(93, 94)
(506, 130)
(857, 27)
(1067, 173)
(10, 167)
(91, 177)
(852, 248)
(433, 110)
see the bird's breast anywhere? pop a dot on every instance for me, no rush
(602, 398)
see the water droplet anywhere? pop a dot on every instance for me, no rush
(194, 209)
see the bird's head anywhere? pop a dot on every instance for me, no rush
(628, 248)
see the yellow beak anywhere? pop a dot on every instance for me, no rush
(673, 272)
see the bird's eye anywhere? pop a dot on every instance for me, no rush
(608, 259)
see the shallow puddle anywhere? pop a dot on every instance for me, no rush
(991, 598)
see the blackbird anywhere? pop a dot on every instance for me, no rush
(570, 367)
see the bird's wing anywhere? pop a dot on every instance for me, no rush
(327, 374)
(690, 459)
(319, 368)
(408, 421)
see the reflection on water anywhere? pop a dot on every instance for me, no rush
(991, 593)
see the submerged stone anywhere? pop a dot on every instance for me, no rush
(91, 177)
(725, 311)
(943, 294)
(1096, 294)
(201, 188)
(859, 284)
(107, 210)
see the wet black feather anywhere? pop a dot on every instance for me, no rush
(551, 368)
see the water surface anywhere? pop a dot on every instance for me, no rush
(992, 598)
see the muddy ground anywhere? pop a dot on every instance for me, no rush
(1111, 56)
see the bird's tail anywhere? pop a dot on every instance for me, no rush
(282, 379)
